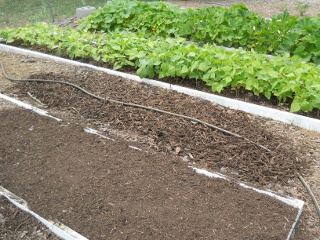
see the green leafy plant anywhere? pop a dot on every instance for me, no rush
(234, 27)
(303, 40)
(281, 77)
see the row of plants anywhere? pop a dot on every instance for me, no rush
(234, 27)
(283, 77)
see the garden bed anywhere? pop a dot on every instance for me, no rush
(163, 133)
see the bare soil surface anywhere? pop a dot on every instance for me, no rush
(105, 190)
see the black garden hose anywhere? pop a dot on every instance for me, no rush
(313, 198)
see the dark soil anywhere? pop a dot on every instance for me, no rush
(105, 190)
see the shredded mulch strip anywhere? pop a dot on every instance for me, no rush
(193, 142)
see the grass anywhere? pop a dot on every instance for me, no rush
(14, 13)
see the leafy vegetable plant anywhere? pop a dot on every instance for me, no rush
(234, 27)
(282, 77)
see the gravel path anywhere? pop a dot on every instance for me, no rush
(264, 8)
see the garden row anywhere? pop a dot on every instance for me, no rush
(234, 27)
(282, 77)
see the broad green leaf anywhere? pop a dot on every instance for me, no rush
(203, 66)
(306, 106)
(267, 94)
(147, 71)
(295, 105)
(116, 47)
(216, 87)
(184, 69)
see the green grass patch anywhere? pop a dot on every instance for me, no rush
(14, 13)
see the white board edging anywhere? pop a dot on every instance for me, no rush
(134, 148)
(296, 203)
(26, 52)
(95, 132)
(58, 228)
(274, 114)
(209, 174)
(28, 106)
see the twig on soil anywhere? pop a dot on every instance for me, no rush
(76, 110)
(314, 200)
(23, 223)
(37, 100)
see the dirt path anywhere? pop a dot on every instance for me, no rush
(265, 8)
(192, 144)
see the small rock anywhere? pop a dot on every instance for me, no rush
(178, 149)
(23, 234)
(223, 170)
(185, 159)
(2, 218)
